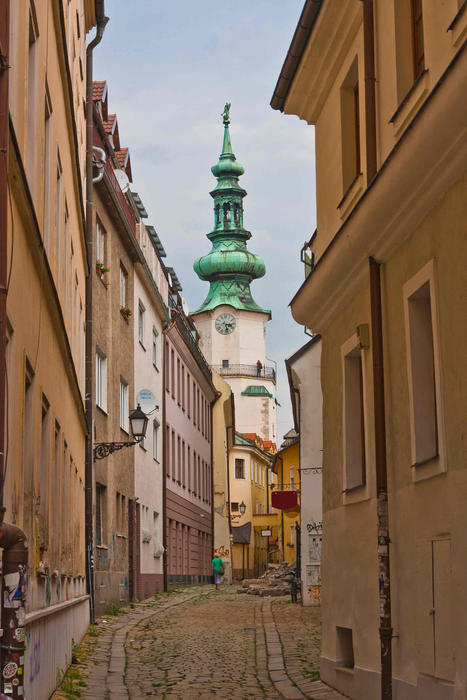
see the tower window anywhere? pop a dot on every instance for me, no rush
(217, 214)
(237, 213)
(227, 212)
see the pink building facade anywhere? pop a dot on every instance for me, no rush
(188, 494)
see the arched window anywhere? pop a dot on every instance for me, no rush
(237, 213)
(227, 217)
(217, 213)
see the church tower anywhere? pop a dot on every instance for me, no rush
(230, 323)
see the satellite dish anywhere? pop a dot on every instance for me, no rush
(146, 400)
(122, 179)
(185, 308)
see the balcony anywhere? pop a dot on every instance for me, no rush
(245, 371)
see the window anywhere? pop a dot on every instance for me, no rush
(350, 127)
(292, 479)
(179, 384)
(188, 406)
(188, 468)
(100, 514)
(155, 439)
(183, 464)
(101, 381)
(123, 287)
(410, 51)
(33, 83)
(100, 243)
(58, 218)
(44, 474)
(48, 158)
(156, 536)
(155, 340)
(234, 507)
(141, 311)
(292, 535)
(172, 373)
(28, 442)
(354, 420)
(183, 386)
(225, 364)
(417, 38)
(422, 365)
(239, 468)
(167, 453)
(124, 406)
(344, 647)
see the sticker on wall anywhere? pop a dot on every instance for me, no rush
(12, 595)
(19, 634)
(8, 688)
(9, 670)
(15, 681)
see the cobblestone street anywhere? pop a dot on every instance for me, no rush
(200, 643)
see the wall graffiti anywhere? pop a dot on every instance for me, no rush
(221, 551)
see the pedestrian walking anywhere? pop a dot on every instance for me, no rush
(259, 367)
(293, 587)
(218, 571)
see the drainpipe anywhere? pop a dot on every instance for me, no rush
(385, 629)
(227, 458)
(370, 80)
(282, 512)
(165, 370)
(88, 504)
(12, 539)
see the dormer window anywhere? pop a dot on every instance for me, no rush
(227, 217)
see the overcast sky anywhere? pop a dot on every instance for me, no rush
(170, 68)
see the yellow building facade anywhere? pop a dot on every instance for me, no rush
(383, 82)
(286, 466)
(47, 266)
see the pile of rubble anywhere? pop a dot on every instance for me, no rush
(274, 582)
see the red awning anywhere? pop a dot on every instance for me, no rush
(284, 500)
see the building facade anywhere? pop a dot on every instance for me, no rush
(151, 318)
(304, 375)
(384, 288)
(188, 485)
(116, 251)
(45, 419)
(287, 467)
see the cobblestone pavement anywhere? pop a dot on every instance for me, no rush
(203, 644)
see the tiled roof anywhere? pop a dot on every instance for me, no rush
(122, 156)
(109, 125)
(98, 90)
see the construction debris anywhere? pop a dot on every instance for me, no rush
(274, 582)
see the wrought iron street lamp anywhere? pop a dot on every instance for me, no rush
(242, 509)
(138, 423)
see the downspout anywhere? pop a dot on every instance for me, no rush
(282, 512)
(385, 629)
(370, 80)
(89, 361)
(227, 458)
(164, 460)
(12, 539)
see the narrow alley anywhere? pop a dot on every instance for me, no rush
(199, 643)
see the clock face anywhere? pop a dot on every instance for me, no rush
(225, 324)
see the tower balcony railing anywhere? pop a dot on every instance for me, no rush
(245, 371)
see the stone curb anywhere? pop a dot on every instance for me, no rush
(110, 682)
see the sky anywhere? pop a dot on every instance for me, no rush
(170, 68)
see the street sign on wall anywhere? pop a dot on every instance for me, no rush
(266, 533)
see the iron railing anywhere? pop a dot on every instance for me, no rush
(246, 371)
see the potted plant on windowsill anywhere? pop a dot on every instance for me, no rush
(101, 269)
(126, 312)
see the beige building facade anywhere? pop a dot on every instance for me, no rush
(45, 418)
(384, 84)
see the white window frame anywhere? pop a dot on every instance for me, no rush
(155, 438)
(101, 380)
(349, 351)
(425, 465)
(155, 340)
(100, 514)
(141, 324)
(124, 406)
(100, 242)
(123, 286)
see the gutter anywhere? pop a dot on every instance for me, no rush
(89, 361)
(295, 53)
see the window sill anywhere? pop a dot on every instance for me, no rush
(154, 459)
(411, 103)
(102, 280)
(429, 468)
(351, 196)
(124, 430)
(123, 537)
(345, 669)
(458, 26)
(140, 342)
(155, 367)
(102, 410)
(101, 546)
